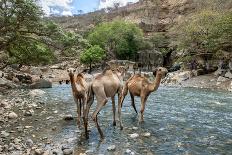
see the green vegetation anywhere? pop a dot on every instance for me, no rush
(27, 38)
(118, 38)
(209, 30)
(92, 55)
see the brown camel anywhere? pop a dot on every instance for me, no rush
(80, 92)
(140, 86)
(105, 85)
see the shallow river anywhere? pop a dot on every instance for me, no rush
(180, 121)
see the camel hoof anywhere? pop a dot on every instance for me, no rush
(114, 123)
(121, 127)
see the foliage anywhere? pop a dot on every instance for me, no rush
(205, 31)
(92, 55)
(27, 37)
(119, 38)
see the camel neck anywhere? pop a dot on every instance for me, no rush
(156, 83)
(74, 88)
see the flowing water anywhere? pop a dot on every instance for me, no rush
(180, 121)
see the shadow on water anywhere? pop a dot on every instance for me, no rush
(180, 121)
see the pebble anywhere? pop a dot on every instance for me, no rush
(67, 151)
(88, 151)
(135, 128)
(134, 135)
(147, 134)
(111, 148)
(12, 115)
(39, 151)
(68, 117)
(82, 154)
(5, 134)
(128, 151)
(29, 113)
(29, 142)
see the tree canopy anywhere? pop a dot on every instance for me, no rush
(92, 55)
(27, 37)
(118, 38)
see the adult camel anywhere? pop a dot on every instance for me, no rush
(105, 85)
(79, 91)
(139, 85)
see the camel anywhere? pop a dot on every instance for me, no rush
(105, 85)
(140, 86)
(80, 92)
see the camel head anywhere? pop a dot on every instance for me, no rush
(71, 71)
(160, 71)
(121, 71)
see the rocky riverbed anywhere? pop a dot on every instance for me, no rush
(177, 121)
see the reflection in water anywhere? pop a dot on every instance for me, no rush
(180, 121)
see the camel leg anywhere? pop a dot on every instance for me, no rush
(80, 101)
(113, 108)
(133, 102)
(88, 103)
(78, 113)
(143, 102)
(95, 113)
(120, 109)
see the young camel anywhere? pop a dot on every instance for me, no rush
(105, 85)
(80, 92)
(140, 86)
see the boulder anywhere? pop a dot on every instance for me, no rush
(7, 83)
(221, 79)
(41, 83)
(24, 78)
(35, 71)
(228, 75)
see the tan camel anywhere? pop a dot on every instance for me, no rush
(80, 92)
(105, 85)
(140, 86)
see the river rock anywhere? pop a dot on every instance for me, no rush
(29, 142)
(147, 134)
(7, 83)
(228, 75)
(111, 148)
(68, 151)
(5, 134)
(221, 79)
(134, 128)
(12, 115)
(35, 71)
(68, 117)
(128, 151)
(41, 83)
(134, 135)
(39, 151)
(36, 92)
(29, 112)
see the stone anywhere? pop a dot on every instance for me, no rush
(228, 75)
(36, 92)
(35, 71)
(134, 135)
(68, 117)
(29, 142)
(111, 148)
(12, 115)
(55, 67)
(5, 134)
(134, 128)
(67, 151)
(41, 83)
(39, 151)
(7, 83)
(147, 134)
(29, 112)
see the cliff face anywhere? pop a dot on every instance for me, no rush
(150, 15)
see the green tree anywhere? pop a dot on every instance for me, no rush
(28, 38)
(92, 55)
(120, 39)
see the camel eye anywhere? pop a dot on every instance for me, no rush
(159, 69)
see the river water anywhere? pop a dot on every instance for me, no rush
(180, 121)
